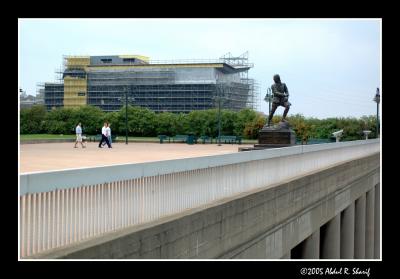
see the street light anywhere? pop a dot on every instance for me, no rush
(377, 99)
(218, 97)
(268, 98)
(126, 115)
(126, 112)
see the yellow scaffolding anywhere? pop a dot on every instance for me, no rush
(75, 91)
(77, 62)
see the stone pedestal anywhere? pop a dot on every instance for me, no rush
(280, 135)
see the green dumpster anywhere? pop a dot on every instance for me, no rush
(162, 138)
(190, 139)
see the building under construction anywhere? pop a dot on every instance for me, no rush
(162, 86)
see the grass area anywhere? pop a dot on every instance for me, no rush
(156, 139)
(119, 138)
(151, 139)
(45, 136)
(50, 137)
(249, 141)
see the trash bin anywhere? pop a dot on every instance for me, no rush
(190, 139)
(162, 137)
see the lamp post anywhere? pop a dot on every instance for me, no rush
(126, 115)
(218, 100)
(126, 112)
(219, 88)
(377, 99)
(268, 98)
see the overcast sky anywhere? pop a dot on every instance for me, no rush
(331, 67)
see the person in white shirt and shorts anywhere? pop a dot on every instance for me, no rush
(78, 131)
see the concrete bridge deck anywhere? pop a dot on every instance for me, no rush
(57, 156)
(320, 201)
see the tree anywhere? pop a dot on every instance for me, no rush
(303, 132)
(141, 121)
(211, 122)
(302, 128)
(32, 119)
(196, 121)
(181, 124)
(244, 117)
(112, 119)
(252, 129)
(60, 121)
(165, 124)
(228, 120)
(144, 122)
(92, 119)
(369, 123)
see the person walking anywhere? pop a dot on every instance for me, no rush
(108, 132)
(78, 131)
(104, 136)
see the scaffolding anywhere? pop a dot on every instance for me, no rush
(167, 86)
(237, 61)
(53, 94)
(242, 62)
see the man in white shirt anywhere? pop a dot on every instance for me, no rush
(108, 133)
(78, 131)
(104, 136)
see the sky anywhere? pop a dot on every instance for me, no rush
(331, 67)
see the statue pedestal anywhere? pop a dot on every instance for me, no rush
(276, 136)
(280, 135)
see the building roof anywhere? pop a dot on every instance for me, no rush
(122, 62)
(223, 67)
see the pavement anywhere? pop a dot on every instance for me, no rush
(57, 156)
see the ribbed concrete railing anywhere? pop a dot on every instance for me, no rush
(59, 208)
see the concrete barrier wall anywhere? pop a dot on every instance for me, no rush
(263, 223)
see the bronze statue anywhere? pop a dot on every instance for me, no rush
(281, 98)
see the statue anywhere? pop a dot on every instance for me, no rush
(281, 98)
(280, 135)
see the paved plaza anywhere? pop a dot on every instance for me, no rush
(56, 156)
